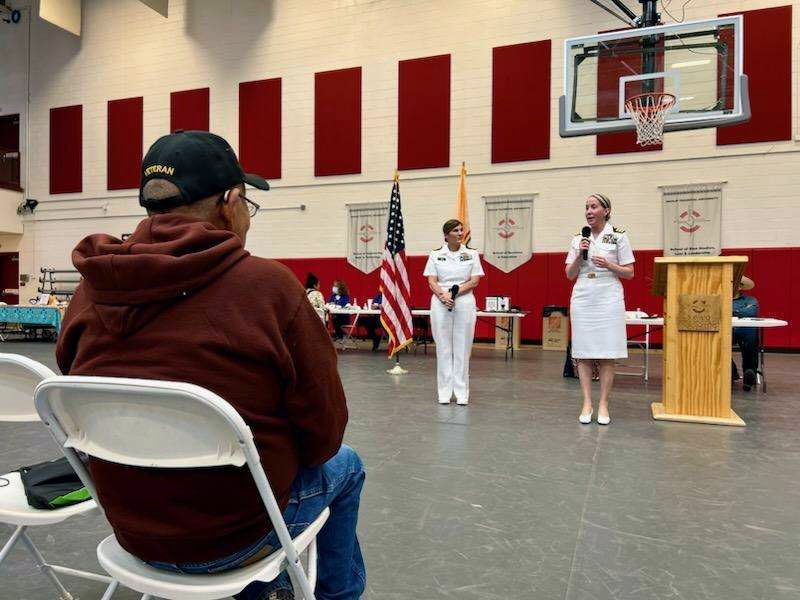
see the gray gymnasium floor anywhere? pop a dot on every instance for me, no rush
(511, 498)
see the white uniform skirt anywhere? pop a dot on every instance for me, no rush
(597, 314)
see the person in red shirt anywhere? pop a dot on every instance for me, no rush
(182, 300)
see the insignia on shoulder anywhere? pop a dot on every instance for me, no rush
(618, 230)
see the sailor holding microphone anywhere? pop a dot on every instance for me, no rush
(453, 271)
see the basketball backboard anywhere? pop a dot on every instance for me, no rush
(699, 62)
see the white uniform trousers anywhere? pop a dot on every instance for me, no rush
(453, 332)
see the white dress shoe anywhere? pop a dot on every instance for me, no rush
(603, 419)
(586, 418)
(462, 402)
(444, 400)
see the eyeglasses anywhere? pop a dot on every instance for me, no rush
(252, 207)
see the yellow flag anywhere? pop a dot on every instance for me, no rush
(462, 212)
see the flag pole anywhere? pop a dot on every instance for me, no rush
(397, 369)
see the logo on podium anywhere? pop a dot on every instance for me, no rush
(698, 312)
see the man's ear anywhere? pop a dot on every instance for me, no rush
(227, 206)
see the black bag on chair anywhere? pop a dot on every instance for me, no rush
(52, 485)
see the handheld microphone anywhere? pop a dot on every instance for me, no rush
(453, 294)
(585, 235)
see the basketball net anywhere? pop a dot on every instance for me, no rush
(649, 112)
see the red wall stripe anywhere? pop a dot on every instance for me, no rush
(124, 153)
(521, 102)
(423, 113)
(541, 281)
(66, 149)
(337, 122)
(768, 64)
(188, 110)
(260, 127)
(610, 67)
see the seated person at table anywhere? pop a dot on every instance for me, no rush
(182, 300)
(373, 322)
(746, 337)
(312, 292)
(340, 296)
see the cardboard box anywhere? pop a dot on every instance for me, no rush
(555, 328)
(501, 337)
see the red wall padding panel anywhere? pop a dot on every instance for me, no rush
(541, 281)
(423, 113)
(768, 63)
(521, 102)
(260, 127)
(337, 122)
(612, 65)
(189, 110)
(124, 154)
(66, 149)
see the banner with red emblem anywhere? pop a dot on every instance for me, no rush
(692, 224)
(366, 235)
(508, 234)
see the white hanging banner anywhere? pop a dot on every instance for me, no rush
(508, 230)
(366, 235)
(692, 223)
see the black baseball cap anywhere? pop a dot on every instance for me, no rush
(199, 163)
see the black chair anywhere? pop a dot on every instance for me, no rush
(421, 332)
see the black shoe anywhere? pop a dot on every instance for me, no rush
(749, 380)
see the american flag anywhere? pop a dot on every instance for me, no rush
(395, 309)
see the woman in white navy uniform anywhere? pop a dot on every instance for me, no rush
(597, 307)
(453, 319)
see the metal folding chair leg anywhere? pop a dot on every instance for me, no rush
(312, 564)
(112, 587)
(760, 370)
(50, 571)
(11, 542)
(44, 567)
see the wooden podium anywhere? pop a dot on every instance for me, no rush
(697, 337)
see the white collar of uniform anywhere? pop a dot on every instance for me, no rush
(446, 250)
(609, 228)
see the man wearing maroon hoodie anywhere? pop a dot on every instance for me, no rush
(182, 300)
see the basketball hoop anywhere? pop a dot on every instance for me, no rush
(649, 112)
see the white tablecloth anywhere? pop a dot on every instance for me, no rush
(736, 321)
(424, 312)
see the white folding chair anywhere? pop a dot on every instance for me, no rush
(161, 424)
(19, 376)
(641, 341)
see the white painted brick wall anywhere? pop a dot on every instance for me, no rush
(129, 50)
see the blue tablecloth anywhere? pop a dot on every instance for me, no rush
(32, 315)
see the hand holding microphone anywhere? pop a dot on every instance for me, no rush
(585, 232)
(453, 294)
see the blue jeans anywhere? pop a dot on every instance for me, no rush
(341, 572)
